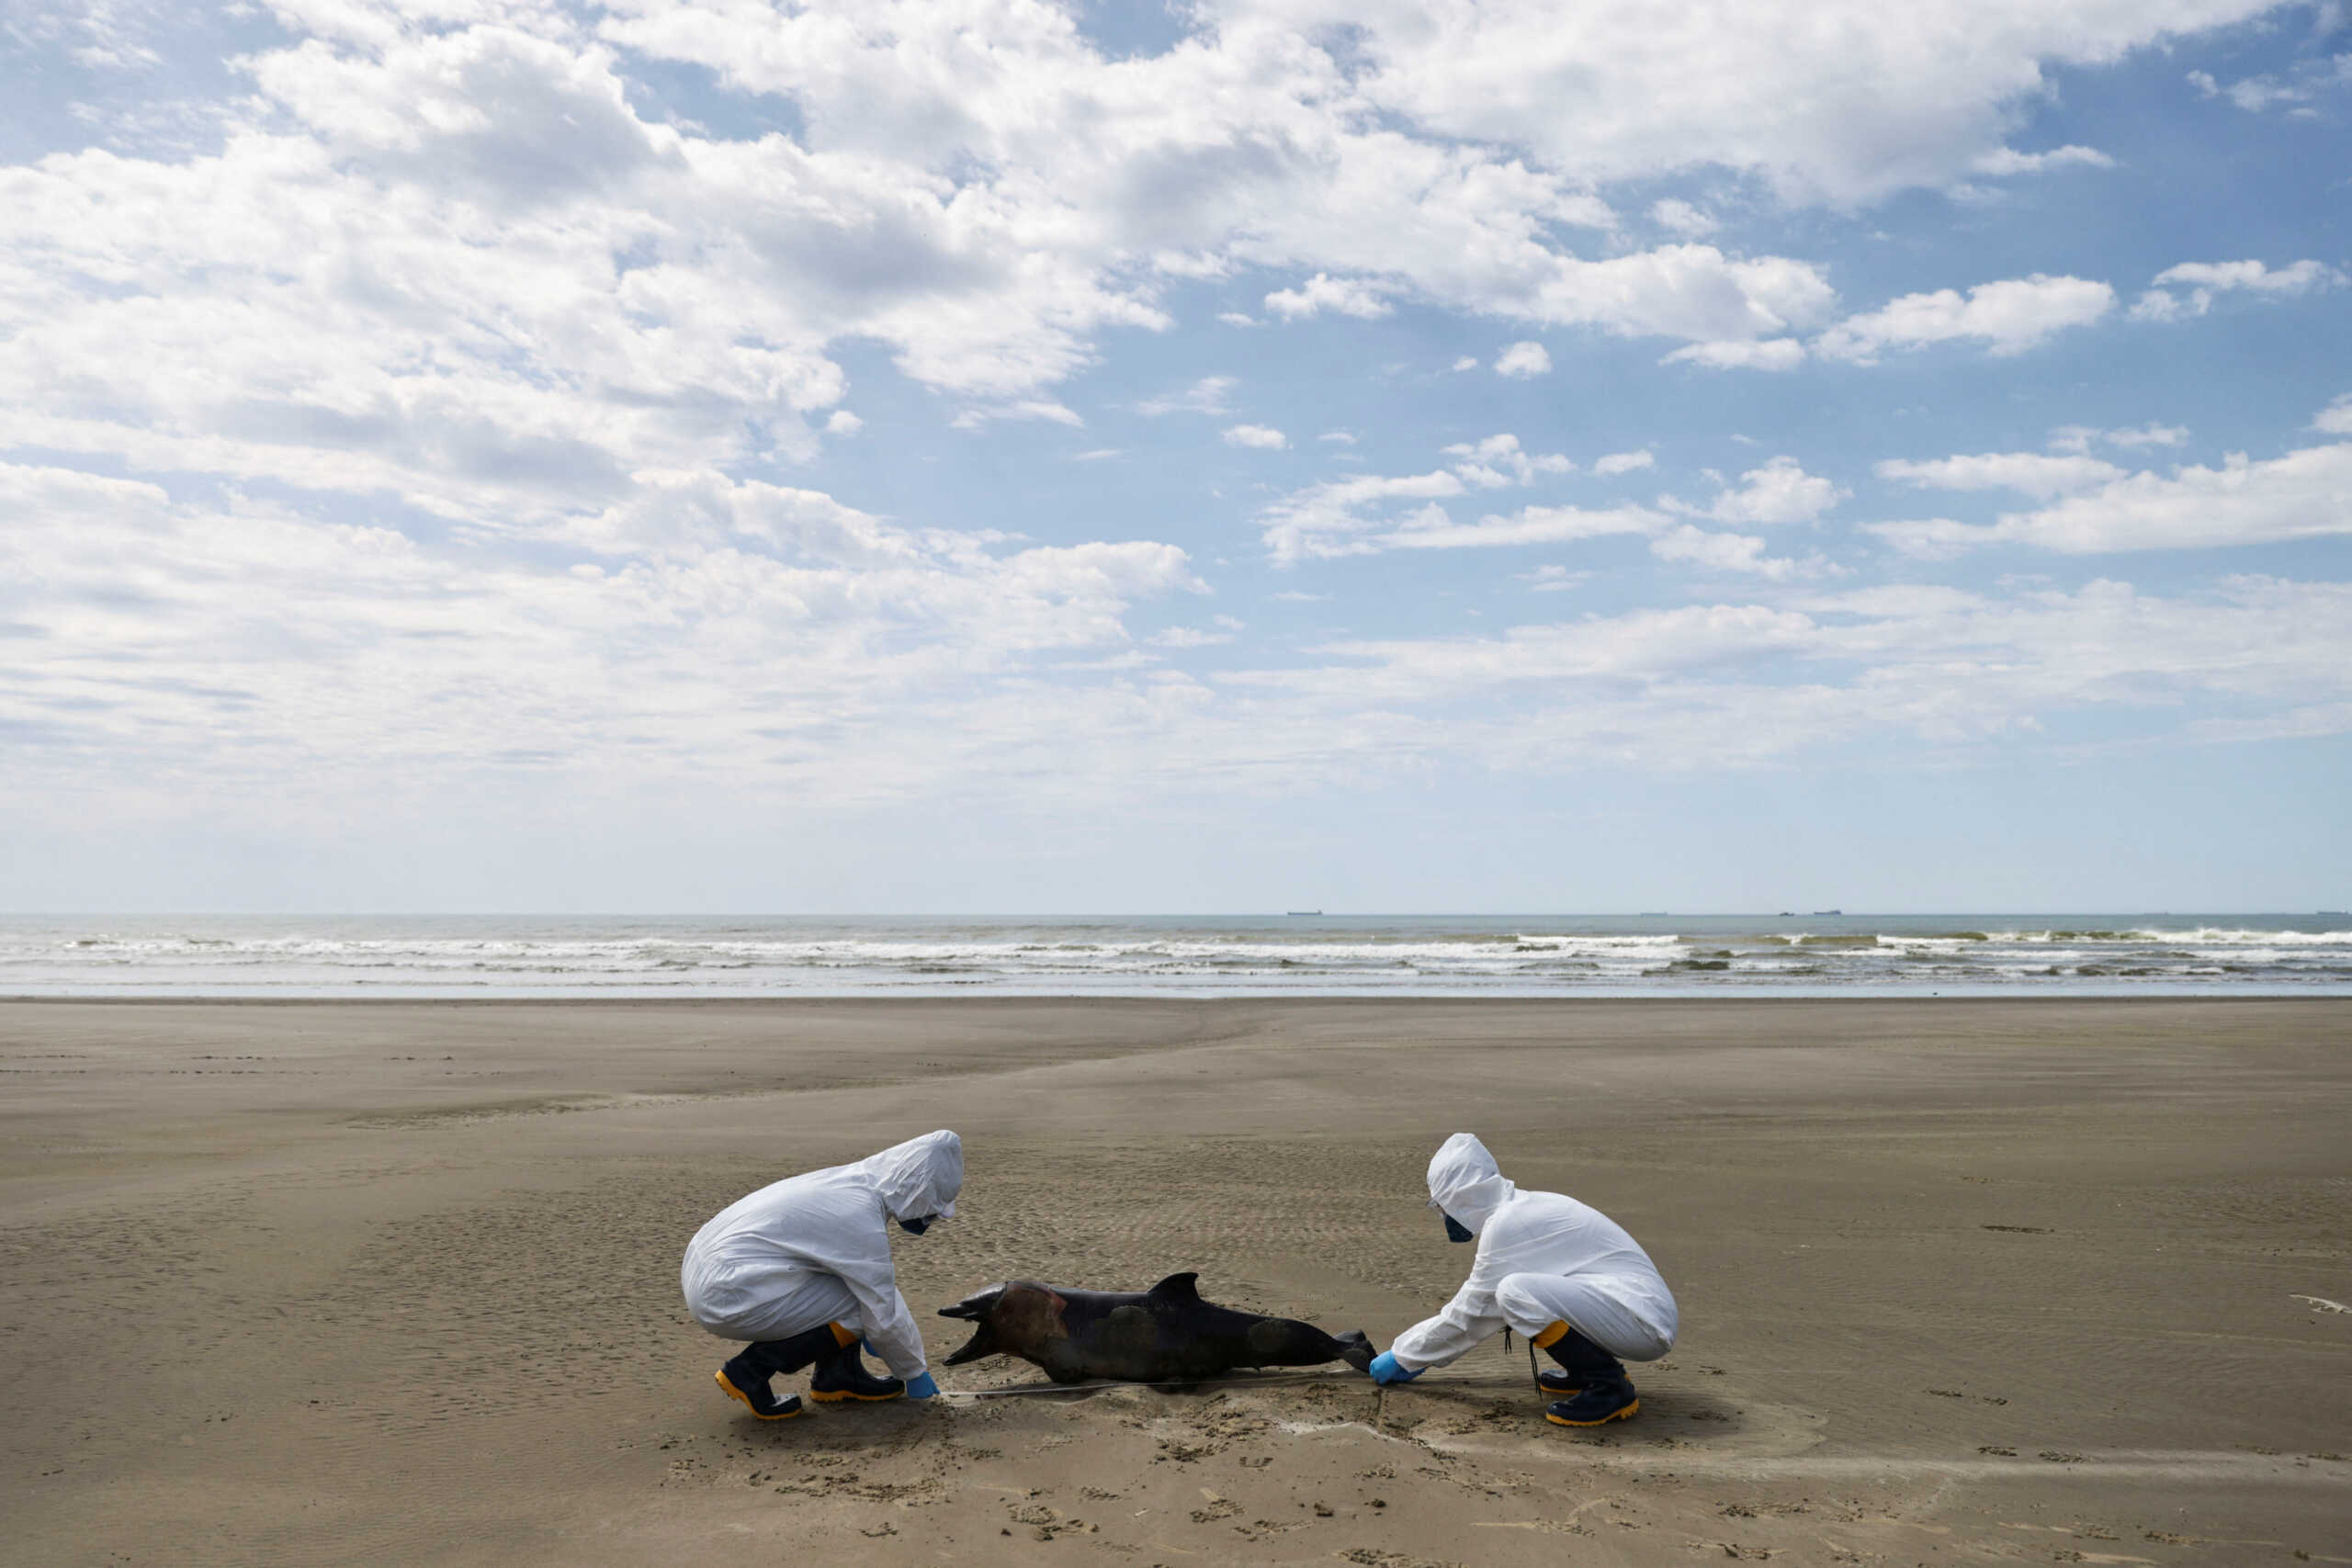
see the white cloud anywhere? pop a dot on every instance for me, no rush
(2295, 90)
(1466, 361)
(2003, 160)
(1497, 461)
(1338, 437)
(1616, 463)
(1431, 529)
(258, 647)
(841, 421)
(1844, 101)
(1682, 218)
(2035, 473)
(2078, 438)
(2009, 317)
(1724, 552)
(1703, 686)
(1264, 437)
(1205, 396)
(1779, 490)
(2305, 494)
(2205, 281)
(1323, 292)
(1237, 317)
(2336, 418)
(1764, 354)
(1328, 519)
(1521, 360)
(1044, 409)
(1553, 578)
(1195, 637)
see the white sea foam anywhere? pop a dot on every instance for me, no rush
(551, 956)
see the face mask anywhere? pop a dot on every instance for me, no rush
(1456, 1231)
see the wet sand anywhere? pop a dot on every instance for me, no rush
(1961, 1281)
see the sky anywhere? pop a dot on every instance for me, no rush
(940, 456)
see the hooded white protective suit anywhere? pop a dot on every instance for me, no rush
(815, 1248)
(1542, 1259)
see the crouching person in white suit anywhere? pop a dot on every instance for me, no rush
(1561, 1272)
(801, 1270)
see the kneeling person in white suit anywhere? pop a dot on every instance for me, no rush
(1559, 1271)
(801, 1271)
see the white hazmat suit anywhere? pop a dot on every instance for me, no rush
(1542, 1259)
(814, 1249)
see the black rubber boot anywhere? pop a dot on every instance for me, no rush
(1569, 1381)
(841, 1374)
(1594, 1381)
(745, 1377)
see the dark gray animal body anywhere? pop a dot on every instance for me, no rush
(1164, 1335)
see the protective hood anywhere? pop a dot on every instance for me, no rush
(920, 1177)
(1466, 1183)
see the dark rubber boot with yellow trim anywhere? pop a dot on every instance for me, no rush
(1594, 1381)
(746, 1377)
(841, 1374)
(748, 1383)
(1561, 1384)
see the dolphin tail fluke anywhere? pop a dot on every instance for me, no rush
(1357, 1349)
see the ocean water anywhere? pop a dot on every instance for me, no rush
(530, 956)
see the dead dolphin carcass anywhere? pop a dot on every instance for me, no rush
(1164, 1335)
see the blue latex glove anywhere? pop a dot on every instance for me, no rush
(919, 1386)
(1386, 1370)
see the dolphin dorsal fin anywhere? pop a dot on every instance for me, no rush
(1185, 1287)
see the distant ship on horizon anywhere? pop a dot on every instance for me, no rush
(1302, 911)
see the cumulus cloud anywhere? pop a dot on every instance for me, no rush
(1700, 686)
(1724, 552)
(1521, 360)
(1331, 518)
(1498, 460)
(1044, 409)
(2304, 494)
(343, 652)
(2003, 161)
(1553, 578)
(1847, 104)
(1208, 395)
(2294, 91)
(1432, 529)
(2206, 281)
(1763, 353)
(2080, 438)
(1779, 490)
(2009, 317)
(1321, 292)
(2035, 473)
(1264, 437)
(1681, 218)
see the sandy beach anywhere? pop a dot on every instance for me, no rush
(1961, 1281)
